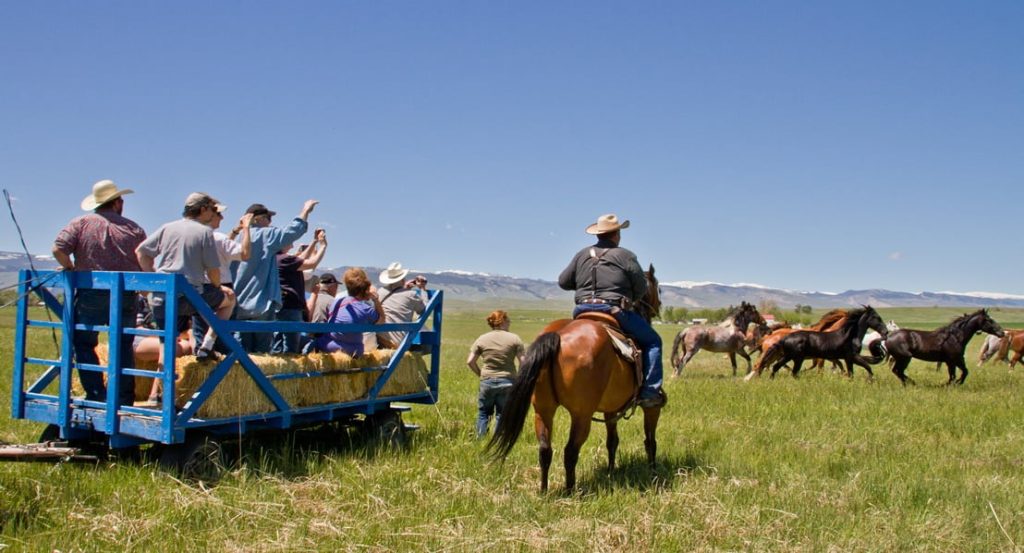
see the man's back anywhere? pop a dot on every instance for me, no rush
(604, 271)
(102, 241)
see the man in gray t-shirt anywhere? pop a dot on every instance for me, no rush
(402, 302)
(187, 247)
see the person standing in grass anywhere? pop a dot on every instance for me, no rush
(493, 358)
(101, 240)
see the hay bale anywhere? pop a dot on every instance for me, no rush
(409, 377)
(142, 384)
(237, 394)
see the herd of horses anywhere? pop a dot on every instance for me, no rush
(576, 364)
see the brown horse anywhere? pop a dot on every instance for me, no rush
(828, 322)
(945, 345)
(573, 363)
(1013, 341)
(731, 336)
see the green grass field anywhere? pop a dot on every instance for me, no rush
(822, 463)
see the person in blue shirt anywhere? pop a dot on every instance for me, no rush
(257, 284)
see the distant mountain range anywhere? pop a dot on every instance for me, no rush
(478, 287)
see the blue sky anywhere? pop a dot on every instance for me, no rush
(803, 145)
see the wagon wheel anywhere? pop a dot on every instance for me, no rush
(386, 428)
(97, 448)
(200, 458)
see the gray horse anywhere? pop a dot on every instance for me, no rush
(730, 337)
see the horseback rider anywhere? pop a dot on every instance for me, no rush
(608, 278)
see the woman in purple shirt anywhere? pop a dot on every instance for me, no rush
(361, 306)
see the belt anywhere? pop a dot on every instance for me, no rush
(622, 302)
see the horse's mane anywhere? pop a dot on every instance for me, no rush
(730, 318)
(830, 318)
(852, 316)
(956, 326)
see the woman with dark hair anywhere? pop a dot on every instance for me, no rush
(361, 306)
(497, 351)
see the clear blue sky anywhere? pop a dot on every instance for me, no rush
(804, 145)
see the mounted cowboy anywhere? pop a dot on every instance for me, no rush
(608, 279)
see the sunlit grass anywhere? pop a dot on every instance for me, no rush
(818, 463)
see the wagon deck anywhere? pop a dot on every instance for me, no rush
(124, 426)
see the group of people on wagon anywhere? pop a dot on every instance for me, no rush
(252, 273)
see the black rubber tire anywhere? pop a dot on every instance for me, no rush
(50, 434)
(200, 458)
(386, 429)
(98, 447)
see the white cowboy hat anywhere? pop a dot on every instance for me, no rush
(607, 223)
(393, 273)
(102, 192)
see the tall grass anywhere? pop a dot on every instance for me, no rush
(818, 463)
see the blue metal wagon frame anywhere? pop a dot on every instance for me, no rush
(126, 425)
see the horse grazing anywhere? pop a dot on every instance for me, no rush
(842, 343)
(827, 323)
(945, 345)
(574, 364)
(730, 337)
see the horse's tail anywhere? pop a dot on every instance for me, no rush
(675, 348)
(878, 351)
(768, 356)
(541, 352)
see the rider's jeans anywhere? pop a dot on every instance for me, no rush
(645, 336)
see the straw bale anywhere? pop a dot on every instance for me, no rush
(347, 379)
(410, 375)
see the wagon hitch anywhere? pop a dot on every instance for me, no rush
(45, 451)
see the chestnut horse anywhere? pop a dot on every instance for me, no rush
(731, 337)
(1012, 341)
(573, 363)
(945, 345)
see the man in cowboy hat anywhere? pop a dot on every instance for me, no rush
(609, 279)
(401, 302)
(101, 240)
(257, 282)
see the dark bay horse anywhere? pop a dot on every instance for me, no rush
(829, 321)
(842, 343)
(946, 344)
(729, 337)
(573, 364)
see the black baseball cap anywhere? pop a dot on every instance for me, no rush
(328, 278)
(260, 209)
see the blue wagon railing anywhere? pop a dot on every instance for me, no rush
(127, 425)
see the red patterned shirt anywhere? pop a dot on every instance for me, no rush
(102, 241)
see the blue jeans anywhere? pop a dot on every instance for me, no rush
(646, 337)
(493, 394)
(257, 342)
(287, 342)
(93, 307)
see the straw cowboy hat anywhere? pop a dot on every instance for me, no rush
(103, 192)
(393, 273)
(607, 223)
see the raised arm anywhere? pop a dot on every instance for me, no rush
(314, 260)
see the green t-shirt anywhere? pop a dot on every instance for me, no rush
(497, 351)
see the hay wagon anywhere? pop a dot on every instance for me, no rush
(213, 402)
